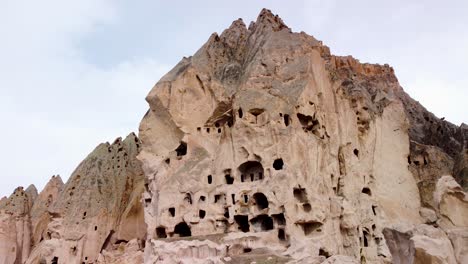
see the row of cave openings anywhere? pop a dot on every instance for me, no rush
(259, 223)
(249, 171)
(309, 123)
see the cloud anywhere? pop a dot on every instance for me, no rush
(55, 107)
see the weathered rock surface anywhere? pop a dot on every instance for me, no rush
(263, 147)
(98, 210)
(264, 141)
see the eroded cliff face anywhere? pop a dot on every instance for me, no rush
(262, 147)
(87, 220)
(264, 144)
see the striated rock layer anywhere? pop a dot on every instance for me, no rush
(263, 147)
(264, 144)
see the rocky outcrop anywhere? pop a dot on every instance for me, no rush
(263, 147)
(98, 210)
(265, 141)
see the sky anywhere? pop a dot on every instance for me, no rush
(74, 74)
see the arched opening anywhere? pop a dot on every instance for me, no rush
(242, 222)
(181, 149)
(54, 260)
(241, 114)
(252, 170)
(182, 229)
(261, 201)
(310, 227)
(366, 190)
(262, 223)
(286, 120)
(161, 232)
(278, 164)
(210, 179)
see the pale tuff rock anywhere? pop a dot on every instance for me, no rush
(270, 143)
(98, 210)
(261, 148)
(15, 226)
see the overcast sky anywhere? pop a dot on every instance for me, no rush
(75, 73)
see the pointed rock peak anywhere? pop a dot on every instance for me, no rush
(267, 20)
(32, 190)
(55, 180)
(132, 137)
(236, 32)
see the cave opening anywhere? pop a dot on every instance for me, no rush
(182, 229)
(300, 194)
(242, 222)
(366, 190)
(261, 201)
(201, 214)
(181, 149)
(278, 164)
(161, 232)
(262, 222)
(254, 169)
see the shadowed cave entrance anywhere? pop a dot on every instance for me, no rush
(251, 170)
(262, 223)
(261, 201)
(182, 229)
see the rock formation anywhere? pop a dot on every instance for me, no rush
(262, 147)
(264, 143)
(97, 211)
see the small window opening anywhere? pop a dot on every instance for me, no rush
(172, 211)
(229, 179)
(226, 212)
(373, 209)
(181, 149)
(233, 196)
(161, 232)
(356, 152)
(208, 130)
(241, 114)
(188, 198)
(95, 228)
(307, 207)
(278, 164)
(202, 198)
(366, 190)
(217, 197)
(286, 120)
(201, 214)
(210, 179)
(182, 229)
(55, 260)
(247, 250)
(246, 198)
(281, 234)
